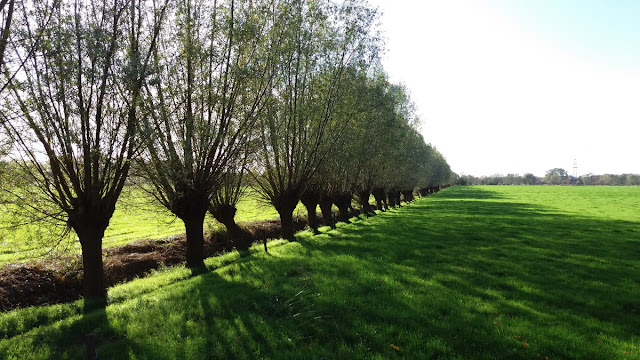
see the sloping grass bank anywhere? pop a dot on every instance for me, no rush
(471, 272)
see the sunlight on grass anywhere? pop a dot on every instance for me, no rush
(469, 273)
(138, 216)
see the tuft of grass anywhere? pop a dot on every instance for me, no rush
(469, 273)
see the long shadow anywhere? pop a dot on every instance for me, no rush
(472, 193)
(574, 273)
(76, 337)
(464, 279)
(214, 323)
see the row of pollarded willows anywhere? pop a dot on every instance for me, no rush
(59, 280)
(198, 95)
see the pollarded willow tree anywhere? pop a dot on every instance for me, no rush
(402, 134)
(371, 152)
(74, 107)
(299, 126)
(334, 180)
(371, 138)
(215, 65)
(433, 171)
(339, 174)
(223, 207)
(441, 173)
(417, 167)
(380, 152)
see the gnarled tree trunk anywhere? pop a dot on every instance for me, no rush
(326, 202)
(285, 203)
(90, 222)
(408, 195)
(379, 195)
(391, 200)
(394, 198)
(225, 214)
(95, 291)
(310, 200)
(194, 228)
(343, 202)
(363, 197)
(191, 208)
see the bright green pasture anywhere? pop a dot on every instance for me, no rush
(137, 216)
(468, 273)
(603, 202)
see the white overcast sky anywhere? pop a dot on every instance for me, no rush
(517, 86)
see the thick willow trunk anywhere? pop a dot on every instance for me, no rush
(225, 214)
(95, 290)
(191, 208)
(286, 223)
(310, 200)
(380, 197)
(363, 197)
(90, 222)
(343, 202)
(394, 198)
(391, 200)
(194, 228)
(285, 204)
(326, 203)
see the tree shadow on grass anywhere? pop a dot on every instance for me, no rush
(469, 193)
(74, 337)
(566, 281)
(477, 279)
(213, 322)
(249, 309)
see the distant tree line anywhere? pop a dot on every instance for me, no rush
(199, 99)
(499, 179)
(610, 179)
(555, 176)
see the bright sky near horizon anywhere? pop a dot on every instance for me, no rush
(517, 86)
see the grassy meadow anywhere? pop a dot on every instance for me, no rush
(138, 216)
(522, 272)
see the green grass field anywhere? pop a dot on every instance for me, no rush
(468, 273)
(137, 216)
